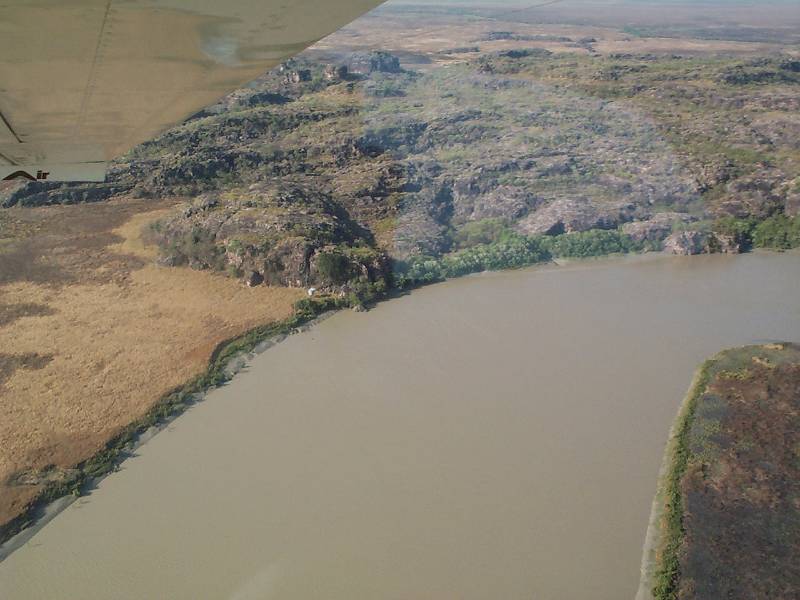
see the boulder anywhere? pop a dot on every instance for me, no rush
(687, 243)
(657, 228)
(253, 279)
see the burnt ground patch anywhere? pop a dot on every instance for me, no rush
(741, 487)
(12, 362)
(11, 312)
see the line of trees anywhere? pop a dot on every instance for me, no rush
(512, 250)
(778, 232)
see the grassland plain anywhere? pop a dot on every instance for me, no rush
(93, 334)
(726, 518)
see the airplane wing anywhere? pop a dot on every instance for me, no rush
(83, 81)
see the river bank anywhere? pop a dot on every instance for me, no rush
(55, 480)
(663, 537)
(721, 523)
(83, 477)
(93, 333)
(226, 360)
(449, 440)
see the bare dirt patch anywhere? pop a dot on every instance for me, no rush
(93, 333)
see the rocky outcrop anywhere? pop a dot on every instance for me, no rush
(332, 170)
(367, 63)
(504, 201)
(36, 193)
(758, 195)
(299, 76)
(700, 242)
(336, 72)
(518, 53)
(657, 228)
(711, 174)
(573, 215)
(687, 243)
(271, 234)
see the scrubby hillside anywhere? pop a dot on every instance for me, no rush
(321, 174)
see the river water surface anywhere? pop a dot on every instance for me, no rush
(494, 437)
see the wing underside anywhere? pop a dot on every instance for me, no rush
(84, 81)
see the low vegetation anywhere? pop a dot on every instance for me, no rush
(778, 232)
(511, 250)
(93, 334)
(731, 523)
(666, 577)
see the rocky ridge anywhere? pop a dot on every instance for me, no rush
(365, 162)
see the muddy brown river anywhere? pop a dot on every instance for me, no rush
(497, 436)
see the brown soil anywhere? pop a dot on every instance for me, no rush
(93, 333)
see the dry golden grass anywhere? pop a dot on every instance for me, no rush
(105, 343)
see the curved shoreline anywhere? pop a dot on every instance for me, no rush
(654, 537)
(228, 358)
(225, 361)
(665, 551)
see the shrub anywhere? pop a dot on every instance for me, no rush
(333, 267)
(487, 231)
(779, 232)
(197, 248)
(741, 230)
(597, 242)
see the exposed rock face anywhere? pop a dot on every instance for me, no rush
(504, 201)
(269, 234)
(700, 242)
(726, 244)
(409, 173)
(366, 63)
(687, 243)
(572, 215)
(792, 205)
(253, 279)
(657, 228)
(713, 173)
(336, 72)
(299, 76)
(423, 221)
(758, 195)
